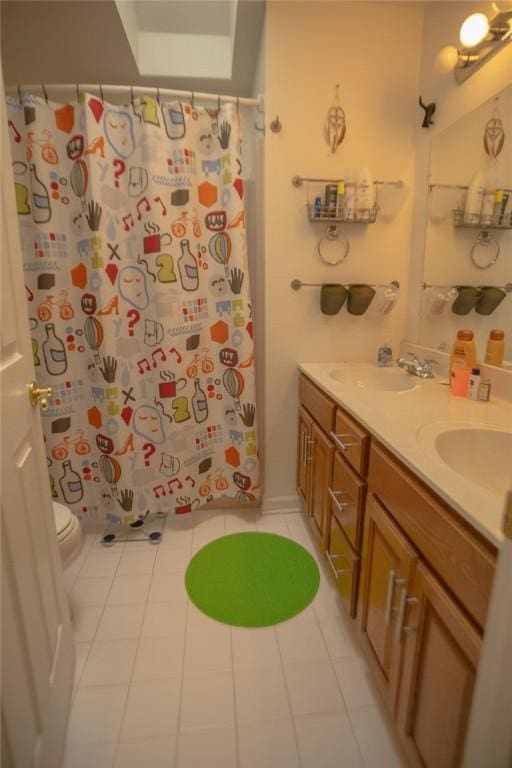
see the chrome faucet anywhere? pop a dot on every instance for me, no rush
(416, 367)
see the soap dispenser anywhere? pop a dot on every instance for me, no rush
(385, 355)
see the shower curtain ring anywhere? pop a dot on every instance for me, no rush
(158, 94)
(77, 93)
(238, 105)
(131, 97)
(192, 100)
(101, 94)
(218, 102)
(20, 96)
(44, 92)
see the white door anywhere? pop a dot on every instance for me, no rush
(37, 645)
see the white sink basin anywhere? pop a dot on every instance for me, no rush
(371, 377)
(479, 452)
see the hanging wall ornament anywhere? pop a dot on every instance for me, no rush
(494, 134)
(335, 125)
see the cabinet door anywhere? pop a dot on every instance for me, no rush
(388, 564)
(304, 454)
(344, 563)
(441, 653)
(322, 452)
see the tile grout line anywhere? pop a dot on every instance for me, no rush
(288, 696)
(180, 704)
(118, 740)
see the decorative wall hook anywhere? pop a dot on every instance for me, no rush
(429, 113)
(335, 125)
(275, 125)
(494, 133)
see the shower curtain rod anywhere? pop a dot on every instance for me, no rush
(134, 90)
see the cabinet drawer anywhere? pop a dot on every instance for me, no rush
(455, 553)
(347, 496)
(352, 440)
(345, 565)
(319, 405)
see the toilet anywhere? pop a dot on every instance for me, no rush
(69, 533)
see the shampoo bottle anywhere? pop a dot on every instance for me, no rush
(474, 198)
(365, 195)
(462, 361)
(350, 195)
(495, 348)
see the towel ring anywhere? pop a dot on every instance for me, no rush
(331, 235)
(131, 97)
(487, 242)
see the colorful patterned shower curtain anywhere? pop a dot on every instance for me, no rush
(134, 244)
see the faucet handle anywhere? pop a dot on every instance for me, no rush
(431, 362)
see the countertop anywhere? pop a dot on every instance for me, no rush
(396, 419)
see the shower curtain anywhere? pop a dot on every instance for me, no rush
(134, 244)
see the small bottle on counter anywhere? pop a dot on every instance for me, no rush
(484, 390)
(474, 384)
(385, 355)
(495, 348)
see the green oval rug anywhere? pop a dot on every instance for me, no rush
(252, 579)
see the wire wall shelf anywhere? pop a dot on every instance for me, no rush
(464, 220)
(326, 213)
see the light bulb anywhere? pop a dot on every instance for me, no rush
(474, 29)
(446, 59)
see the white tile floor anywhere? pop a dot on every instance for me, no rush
(160, 685)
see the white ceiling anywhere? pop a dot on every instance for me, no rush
(200, 17)
(81, 41)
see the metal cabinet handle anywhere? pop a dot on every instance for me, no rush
(392, 582)
(340, 505)
(330, 559)
(402, 605)
(339, 442)
(308, 441)
(303, 449)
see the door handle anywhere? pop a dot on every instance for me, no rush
(392, 582)
(39, 396)
(402, 605)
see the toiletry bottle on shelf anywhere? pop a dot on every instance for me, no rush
(331, 194)
(365, 195)
(340, 203)
(385, 355)
(474, 384)
(495, 348)
(488, 200)
(462, 360)
(473, 207)
(350, 195)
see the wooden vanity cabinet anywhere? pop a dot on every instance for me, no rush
(441, 649)
(389, 561)
(418, 575)
(322, 453)
(303, 454)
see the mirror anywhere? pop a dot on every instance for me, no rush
(464, 247)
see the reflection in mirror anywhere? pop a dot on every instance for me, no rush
(468, 248)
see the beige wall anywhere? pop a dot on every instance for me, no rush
(372, 50)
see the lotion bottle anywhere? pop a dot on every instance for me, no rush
(495, 348)
(474, 199)
(365, 195)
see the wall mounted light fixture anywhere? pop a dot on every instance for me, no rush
(480, 40)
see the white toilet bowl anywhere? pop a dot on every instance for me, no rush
(69, 533)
